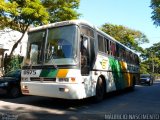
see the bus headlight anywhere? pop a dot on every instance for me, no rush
(4, 84)
(64, 90)
(147, 79)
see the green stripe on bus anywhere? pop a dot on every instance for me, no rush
(118, 74)
(48, 73)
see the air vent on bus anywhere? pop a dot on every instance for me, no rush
(43, 79)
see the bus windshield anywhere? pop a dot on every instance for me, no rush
(53, 46)
(61, 45)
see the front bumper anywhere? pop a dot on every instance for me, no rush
(65, 91)
(144, 81)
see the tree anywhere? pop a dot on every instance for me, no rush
(60, 10)
(144, 67)
(151, 58)
(154, 57)
(3, 8)
(155, 48)
(131, 38)
(20, 14)
(155, 5)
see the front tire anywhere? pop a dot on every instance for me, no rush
(14, 92)
(100, 90)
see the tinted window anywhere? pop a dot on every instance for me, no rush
(101, 43)
(117, 50)
(106, 41)
(113, 48)
(92, 51)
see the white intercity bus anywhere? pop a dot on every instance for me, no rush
(75, 60)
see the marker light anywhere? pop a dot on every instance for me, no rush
(72, 80)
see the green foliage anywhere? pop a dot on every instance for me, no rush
(20, 14)
(23, 13)
(3, 8)
(12, 63)
(34, 13)
(155, 5)
(130, 38)
(144, 68)
(155, 49)
(151, 59)
(60, 10)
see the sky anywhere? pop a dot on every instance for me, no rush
(134, 14)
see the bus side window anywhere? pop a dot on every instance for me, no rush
(92, 51)
(130, 57)
(133, 58)
(124, 54)
(127, 56)
(101, 43)
(112, 48)
(106, 41)
(110, 44)
(117, 51)
(137, 60)
(88, 32)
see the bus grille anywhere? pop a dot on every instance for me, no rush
(43, 79)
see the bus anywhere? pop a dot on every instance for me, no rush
(75, 60)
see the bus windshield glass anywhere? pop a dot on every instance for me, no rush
(53, 46)
(35, 46)
(61, 45)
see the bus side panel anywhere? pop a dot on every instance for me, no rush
(102, 68)
(123, 76)
(118, 74)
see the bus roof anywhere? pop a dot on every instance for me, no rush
(77, 22)
(62, 23)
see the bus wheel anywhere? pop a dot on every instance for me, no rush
(133, 84)
(100, 90)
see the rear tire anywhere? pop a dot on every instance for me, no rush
(100, 90)
(133, 84)
(149, 83)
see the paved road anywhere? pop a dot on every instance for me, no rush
(144, 100)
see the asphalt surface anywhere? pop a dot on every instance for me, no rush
(143, 102)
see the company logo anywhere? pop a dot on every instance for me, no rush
(104, 64)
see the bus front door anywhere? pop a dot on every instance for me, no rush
(85, 56)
